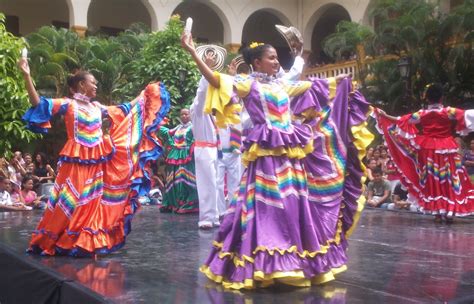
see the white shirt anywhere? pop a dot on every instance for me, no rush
(5, 199)
(295, 72)
(203, 127)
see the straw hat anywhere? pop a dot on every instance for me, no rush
(219, 53)
(292, 36)
(240, 65)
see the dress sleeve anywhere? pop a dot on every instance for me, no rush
(37, 118)
(224, 101)
(458, 116)
(164, 133)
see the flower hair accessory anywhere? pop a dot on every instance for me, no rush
(255, 44)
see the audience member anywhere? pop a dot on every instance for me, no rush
(370, 168)
(468, 161)
(378, 190)
(400, 199)
(6, 202)
(43, 170)
(28, 196)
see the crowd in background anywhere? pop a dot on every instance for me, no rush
(22, 177)
(383, 186)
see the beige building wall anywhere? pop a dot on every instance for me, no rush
(216, 21)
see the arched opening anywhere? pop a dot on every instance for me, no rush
(260, 27)
(207, 26)
(125, 12)
(327, 18)
(26, 16)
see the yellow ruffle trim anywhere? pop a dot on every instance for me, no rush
(256, 151)
(240, 261)
(362, 138)
(218, 102)
(260, 279)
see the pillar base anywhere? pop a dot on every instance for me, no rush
(80, 30)
(233, 47)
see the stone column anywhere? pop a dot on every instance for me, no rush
(78, 15)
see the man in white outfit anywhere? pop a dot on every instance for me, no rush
(205, 158)
(229, 167)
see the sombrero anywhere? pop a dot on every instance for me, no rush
(292, 36)
(240, 63)
(218, 52)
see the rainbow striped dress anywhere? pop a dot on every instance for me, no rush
(301, 192)
(99, 175)
(180, 188)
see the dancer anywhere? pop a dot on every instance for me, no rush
(205, 153)
(99, 175)
(271, 232)
(180, 189)
(428, 159)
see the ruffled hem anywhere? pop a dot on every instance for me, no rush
(256, 151)
(270, 138)
(269, 267)
(155, 112)
(73, 152)
(181, 156)
(292, 278)
(37, 118)
(95, 238)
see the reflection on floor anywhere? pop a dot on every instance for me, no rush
(393, 257)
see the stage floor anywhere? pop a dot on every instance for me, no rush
(394, 257)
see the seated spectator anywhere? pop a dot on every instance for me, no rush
(392, 174)
(28, 159)
(384, 158)
(468, 161)
(6, 203)
(43, 170)
(4, 167)
(400, 199)
(378, 190)
(28, 196)
(370, 168)
(16, 170)
(368, 155)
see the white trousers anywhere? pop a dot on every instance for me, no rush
(230, 166)
(206, 172)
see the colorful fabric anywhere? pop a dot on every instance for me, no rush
(290, 218)
(99, 178)
(428, 160)
(180, 189)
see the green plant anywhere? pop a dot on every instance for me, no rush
(163, 59)
(53, 55)
(13, 96)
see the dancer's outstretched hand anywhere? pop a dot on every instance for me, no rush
(24, 66)
(342, 76)
(187, 42)
(232, 67)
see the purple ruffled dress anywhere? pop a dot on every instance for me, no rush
(301, 191)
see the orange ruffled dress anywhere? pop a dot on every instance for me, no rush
(100, 175)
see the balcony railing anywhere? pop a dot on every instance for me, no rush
(345, 67)
(332, 70)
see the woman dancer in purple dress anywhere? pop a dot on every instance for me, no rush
(300, 193)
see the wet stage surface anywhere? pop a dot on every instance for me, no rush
(394, 257)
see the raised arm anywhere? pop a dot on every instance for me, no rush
(188, 44)
(30, 87)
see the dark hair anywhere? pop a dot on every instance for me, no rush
(2, 178)
(26, 179)
(73, 80)
(434, 92)
(377, 170)
(250, 54)
(43, 159)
